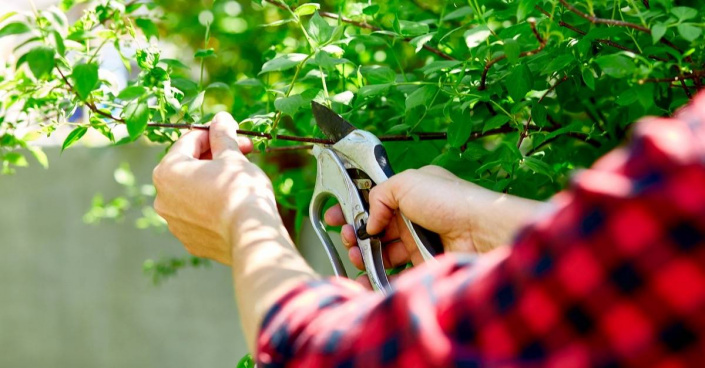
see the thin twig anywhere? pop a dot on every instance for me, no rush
(525, 132)
(366, 26)
(542, 44)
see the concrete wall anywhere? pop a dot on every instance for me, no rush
(74, 295)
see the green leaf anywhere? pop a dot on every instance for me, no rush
(616, 65)
(419, 41)
(40, 156)
(495, 122)
(421, 97)
(376, 74)
(476, 36)
(204, 53)
(519, 82)
(588, 78)
(290, 105)
(373, 90)
(459, 132)
(15, 158)
(41, 61)
(512, 49)
(689, 31)
(684, 13)
(59, 41)
(539, 114)
(319, 29)
(439, 65)
(148, 27)
(307, 9)
(657, 31)
(371, 10)
(136, 117)
(246, 362)
(74, 136)
(525, 8)
(85, 79)
(284, 62)
(14, 28)
(461, 12)
(197, 102)
(131, 93)
(538, 166)
(409, 28)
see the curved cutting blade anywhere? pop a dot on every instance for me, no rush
(330, 123)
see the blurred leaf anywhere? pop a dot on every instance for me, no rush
(520, 81)
(284, 62)
(689, 31)
(307, 9)
(131, 93)
(476, 36)
(616, 65)
(495, 122)
(41, 61)
(136, 116)
(657, 31)
(512, 49)
(684, 13)
(14, 28)
(319, 29)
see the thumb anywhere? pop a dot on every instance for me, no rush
(383, 203)
(223, 136)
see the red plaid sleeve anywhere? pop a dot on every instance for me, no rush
(614, 277)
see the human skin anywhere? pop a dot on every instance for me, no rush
(222, 207)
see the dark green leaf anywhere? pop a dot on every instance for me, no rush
(538, 166)
(588, 78)
(290, 105)
(539, 115)
(616, 65)
(74, 136)
(461, 12)
(14, 28)
(85, 79)
(495, 122)
(131, 93)
(136, 117)
(376, 74)
(512, 49)
(204, 53)
(409, 28)
(525, 8)
(371, 10)
(373, 90)
(519, 82)
(439, 65)
(459, 132)
(421, 97)
(41, 61)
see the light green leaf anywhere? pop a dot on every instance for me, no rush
(136, 117)
(689, 31)
(409, 28)
(419, 41)
(41, 61)
(307, 9)
(684, 13)
(284, 62)
(131, 93)
(85, 79)
(148, 27)
(74, 137)
(204, 53)
(373, 90)
(59, 41)
(197, 102)
(371, 10)
(495, 122)
(476, 36)
(15, 158)
(14, 28)
(439, 65)
(512, 49)
(657, 31)
(40, 156)
(319, 29)
(290, 105)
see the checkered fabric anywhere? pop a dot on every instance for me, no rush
(614, 277)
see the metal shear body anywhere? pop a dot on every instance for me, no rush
(347, 170)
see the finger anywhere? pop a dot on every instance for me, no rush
(208, 155)
(409, 243)
(356, 257)
(223, 136)
(191, 145)
(347, 235)
(397, 254)
(245, 144)
(382, 206)
(334, 216)
(364, 281)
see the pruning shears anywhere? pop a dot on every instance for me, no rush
(347, 170)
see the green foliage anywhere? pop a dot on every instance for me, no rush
(526, 90)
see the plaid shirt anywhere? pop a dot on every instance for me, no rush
(614, 277)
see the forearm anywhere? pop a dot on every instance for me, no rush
(265, 266)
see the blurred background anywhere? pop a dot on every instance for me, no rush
(85, 264)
